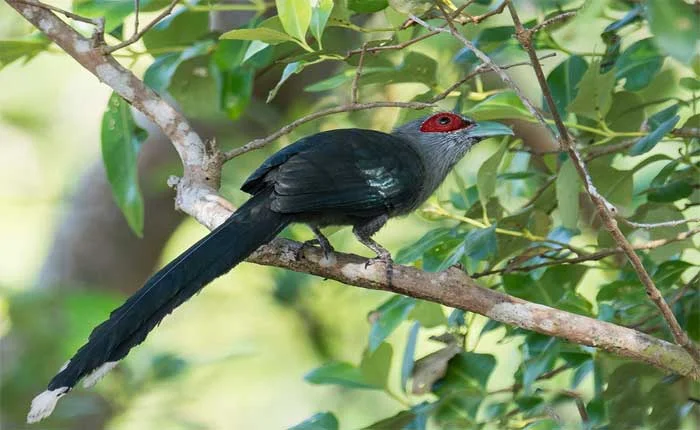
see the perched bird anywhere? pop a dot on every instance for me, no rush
(340, 177)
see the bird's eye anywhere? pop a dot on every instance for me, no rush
(444, 120)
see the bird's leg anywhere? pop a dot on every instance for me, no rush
(321, 240)
(364, 232)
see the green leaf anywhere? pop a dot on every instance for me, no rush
(254, 48)
(670, 192)
(399, 421)
(415, 67)
(159, 74)
(692, 84)
(428, 314)
(660, 124)
(181, 28)
(339, 373)
(321, 11)
(528, 403)
(670, 272)
(295, 16)
(615, 185)
(263, 34)
(367, 6)
(477, 367)
(235, 91)
(443, 256)
(639, 64)
(429, 240)
(114, 11)
(675, 26)
(488, 172)
(13, 50)
(499, 106)
(375, 365)
(319, 421)
(195, 88)
(568, 185)
(289, 70)
(481, 243)
(329, 83)
(613, 40)
(464, 385)
(594, 95)
(547, 289)
(626, 113)
(387, 318)
(563, 82)
(121, 142)
(540, 353)
(408, 355)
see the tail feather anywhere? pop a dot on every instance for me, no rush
(251, 226)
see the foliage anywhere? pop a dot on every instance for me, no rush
(628, 90)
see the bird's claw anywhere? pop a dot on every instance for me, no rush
(313, 243)
(387, 261)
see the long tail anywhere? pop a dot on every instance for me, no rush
(251, 226)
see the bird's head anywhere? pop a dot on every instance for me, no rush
(450, 131)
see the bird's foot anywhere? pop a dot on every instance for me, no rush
(388, 262)
(313, 243)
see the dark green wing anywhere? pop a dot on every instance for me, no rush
(364, 172)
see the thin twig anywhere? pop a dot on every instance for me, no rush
(455, 15)
(595, 256)
(547, 22)
(137, 7)
(674, 223)
(483, 68)
(547, 375)
(695, 281)
(477, 19)
(487, 61)
(593, 152)
(605, 209)
(259, 143)
(686, 132)
(398, 46)
(138, 34)
(71, 15)
(356, 81)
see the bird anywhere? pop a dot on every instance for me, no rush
(354, 177)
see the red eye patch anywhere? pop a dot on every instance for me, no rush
(444, 122)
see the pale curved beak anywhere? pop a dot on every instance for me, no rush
(486, 129)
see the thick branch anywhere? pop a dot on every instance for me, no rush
(455, 289)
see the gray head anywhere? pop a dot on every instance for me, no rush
(450, 130)
(443, 139)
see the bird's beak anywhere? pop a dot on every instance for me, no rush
(487, 129)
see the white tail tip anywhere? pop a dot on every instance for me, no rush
(101, 371)
(44, 404)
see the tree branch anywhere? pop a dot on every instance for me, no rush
(138, 34)
(605, 209)
(455, 289)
